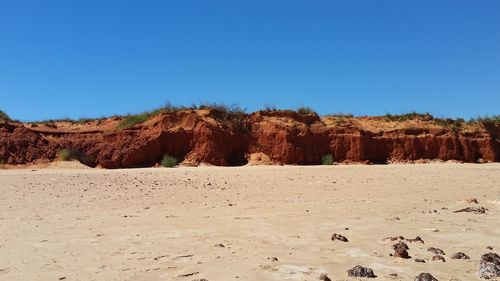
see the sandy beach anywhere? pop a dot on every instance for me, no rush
(245, 223)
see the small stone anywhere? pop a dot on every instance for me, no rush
(324, 277)
(436, 251)
(438, 258)
(220, 245)
(420, 260)
(425, 277)
(471, 201)
(273, 259)
(460, 256)
(189, 274)
(359, 271)
(339, 237)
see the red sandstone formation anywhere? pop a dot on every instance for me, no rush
(284, 137)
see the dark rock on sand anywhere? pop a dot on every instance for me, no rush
(489, 266)
(420, 260)
(401, 253)
(339, 237)
(359, 271)
(400, 245)
(460, 256)
(475, 210)
(416, 239)
(436, 251)
(394, 238)
(400, 250)
(425, 277)
(438, 258)
(324, 277)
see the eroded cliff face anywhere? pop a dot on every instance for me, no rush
(203, 136)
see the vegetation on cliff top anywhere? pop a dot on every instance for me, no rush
(131, 120)
(302, 110)
(305, 110)
(220, 111)
(234, 112)
(4, 116)
(454, 124)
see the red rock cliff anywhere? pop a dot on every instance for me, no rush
(205, 136)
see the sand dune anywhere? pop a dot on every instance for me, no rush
(245, 223)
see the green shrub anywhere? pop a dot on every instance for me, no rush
(224, 112)
(83, 120)
(233, 109)
(66, 154)
(131, 120)
(453, 124)
(270, 107)
(340, 115)
(408, 116)
(4, 116)
(170, 108)
(327, 159)
(168, 161)
(486, 119)
(305, 110)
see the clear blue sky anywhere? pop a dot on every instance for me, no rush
(89, 58)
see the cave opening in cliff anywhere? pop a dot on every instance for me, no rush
(237, 158)
(380, 161)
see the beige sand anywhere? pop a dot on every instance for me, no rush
(160, 224)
